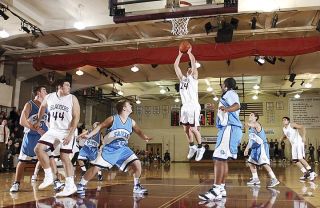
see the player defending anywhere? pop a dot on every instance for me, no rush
(64, 112)
(115, 150)
(259, 151)
(90, 149)
(291, 131)
(31, 134)
(190, 110)
(229, 136)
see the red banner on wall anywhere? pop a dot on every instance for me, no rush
(167, 55)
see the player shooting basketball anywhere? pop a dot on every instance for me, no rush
(190, 110)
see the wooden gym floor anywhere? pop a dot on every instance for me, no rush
(175, 185)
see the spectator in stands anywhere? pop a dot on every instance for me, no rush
(271, 145)
(167, 158)
(15, 152)
(13, 115)
(3, 79)
(4, 137)
(311, 153)
(8, 156)
(283, 146)
(276, 149)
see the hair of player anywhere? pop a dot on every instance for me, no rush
(285, 117)
(120, 104)
(60, 82)
(230, 83)
(256, 115)
(37, 89)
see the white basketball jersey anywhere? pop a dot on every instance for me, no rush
(292, 134)
(189, 90)
(60, 109)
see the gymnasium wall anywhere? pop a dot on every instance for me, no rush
(173, 138)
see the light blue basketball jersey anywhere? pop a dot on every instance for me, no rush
(257, 138)
(119, 132)
(93, 141)
(33, 118)
(232, 117)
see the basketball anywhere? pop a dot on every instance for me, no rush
(184, 46)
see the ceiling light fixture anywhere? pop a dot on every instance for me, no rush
(120, 92)
(2, 14)
(162, 91)
(297, 96)
(135, 68)
(79, 72)
(177, 100)
(259, 60)
(255, 97)
(215, 98)
(256, 87)
(138, 101)
(4, 34)
(209, 89)
(79, 25)
(308, 85)
(271, 59)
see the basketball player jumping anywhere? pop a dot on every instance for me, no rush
(291, 132)
(64, 112)
(190, 110)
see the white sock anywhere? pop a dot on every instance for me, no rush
(271, 174)
(83, 168)
(83, 181)
(69, 180)
(255, 175)
(303, 170)
(48, 172)
(99, 172)
(136, 181)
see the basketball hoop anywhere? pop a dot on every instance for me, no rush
(180, 26)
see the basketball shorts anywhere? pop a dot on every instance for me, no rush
(229, 138)
(113, 154)
(190, 114)
(297, 151)
(29, 142)
(51, 137)
(88, 153)
(260, 155)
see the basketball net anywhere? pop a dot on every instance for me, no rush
(180, 26)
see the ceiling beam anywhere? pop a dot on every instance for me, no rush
(75, 46)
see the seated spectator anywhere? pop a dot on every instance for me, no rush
(166, 157)
(16, 152)
(3, 79)
(8, 156)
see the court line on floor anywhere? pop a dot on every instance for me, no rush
(170, 202)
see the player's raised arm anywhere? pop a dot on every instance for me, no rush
(177, 68)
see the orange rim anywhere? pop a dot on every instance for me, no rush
(185, 3)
